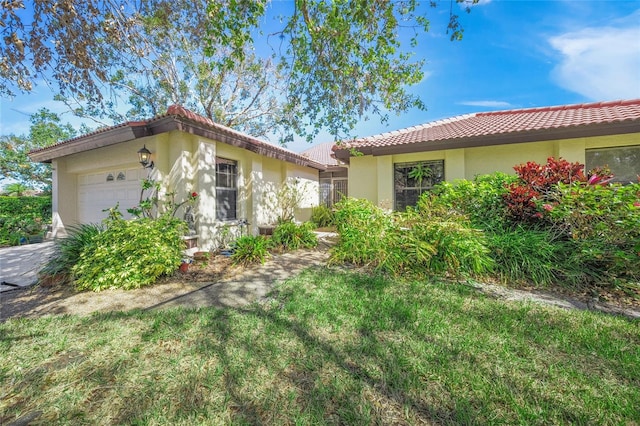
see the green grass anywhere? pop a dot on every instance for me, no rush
(330, 348)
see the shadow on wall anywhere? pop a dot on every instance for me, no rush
(286, 201)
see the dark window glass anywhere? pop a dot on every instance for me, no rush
(412, 179)
(623, 161)
(226, 189)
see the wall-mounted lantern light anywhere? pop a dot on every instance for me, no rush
(144, 156)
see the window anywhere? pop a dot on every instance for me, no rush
(226, 189)
(325, 192)
(623, 161)
(332, 190)
(412, 179)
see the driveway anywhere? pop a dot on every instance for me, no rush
(19, 265)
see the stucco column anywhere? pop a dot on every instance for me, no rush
(384, 165)
(256, 189)
(64, 203)
(205, 160)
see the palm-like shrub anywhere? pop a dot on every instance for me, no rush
(290, 236)
(250, 249)
(322, 216)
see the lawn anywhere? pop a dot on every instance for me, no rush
(330, 347)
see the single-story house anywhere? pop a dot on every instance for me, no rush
(383, 168)
(237, 175)
(234, 175)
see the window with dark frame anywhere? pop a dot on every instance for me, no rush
(623, 161)
(226, 189)
(412, 179)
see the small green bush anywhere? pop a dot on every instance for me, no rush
(602, 225)
(130, 254)
(428, 239)
(322, 216)
(366, 232)
(481, 199)
(289, 236)
(250, 249)
(457, 247)
(69, 249)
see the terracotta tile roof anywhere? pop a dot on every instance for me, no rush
(135, 129)
(510, 122)
(321, 153)
(180, 111)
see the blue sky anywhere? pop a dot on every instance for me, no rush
(515, 54)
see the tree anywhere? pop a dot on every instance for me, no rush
(16, 189)
(168, 64)
(337, 61)
(46, 129)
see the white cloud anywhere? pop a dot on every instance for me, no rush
(487, 104)
(600, 63)
(469, 3)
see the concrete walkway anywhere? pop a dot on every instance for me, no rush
(240, 287)
(19, 265)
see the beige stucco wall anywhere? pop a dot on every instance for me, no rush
(185, 163)
(371, 177)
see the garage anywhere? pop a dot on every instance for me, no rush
(101, 191)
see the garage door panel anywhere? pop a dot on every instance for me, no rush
(101, 191)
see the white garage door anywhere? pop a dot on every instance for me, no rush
(100, 191)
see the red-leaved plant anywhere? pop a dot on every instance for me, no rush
(537, 182)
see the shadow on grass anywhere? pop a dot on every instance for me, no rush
(265, 364)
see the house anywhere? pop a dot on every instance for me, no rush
(234, 175)
(385, 168)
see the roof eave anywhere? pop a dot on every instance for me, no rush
(112, 136)
(542, 135)
(165, 124)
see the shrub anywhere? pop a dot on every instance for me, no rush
(21, 217)
(457, 248)
(481, 199)
(322, 216)
(289, 236)
(539, 182)
(69, 249)
(365, 232)
(427, 239)
(603, 225)
(526, 255)
(130, 254)
(250, 249)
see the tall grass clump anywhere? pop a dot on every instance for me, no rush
(524, 255)
(69, 248)
(291, 236)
